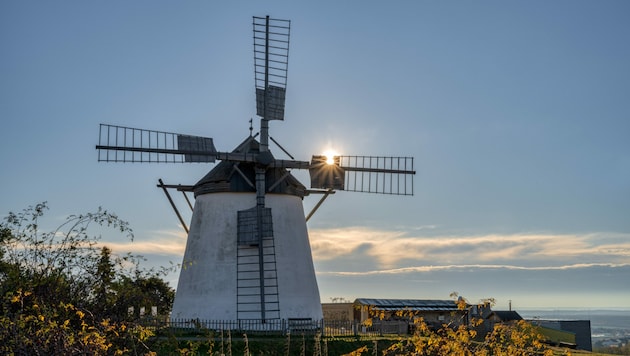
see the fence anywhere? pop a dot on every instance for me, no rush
(337, 328)
(355, 328)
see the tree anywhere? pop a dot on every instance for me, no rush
(141, 292)
(61, 292)
(59, 265)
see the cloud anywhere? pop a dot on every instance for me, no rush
(408, 248)
(406, 263)
(416, 269)
(333, 243)
(361, 251)
(164, 242)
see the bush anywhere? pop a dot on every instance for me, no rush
(61, 292)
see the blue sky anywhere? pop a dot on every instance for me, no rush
(517, 114)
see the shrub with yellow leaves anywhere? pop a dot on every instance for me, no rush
(516, 339)
(58, 288)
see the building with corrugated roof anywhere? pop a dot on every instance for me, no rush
(435, 313)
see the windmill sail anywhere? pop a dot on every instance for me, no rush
(196, 144)
(367, 174)
(274, 102)
(126, 144)
(271, 61)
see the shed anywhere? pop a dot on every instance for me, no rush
(434, 312)
(338, 311)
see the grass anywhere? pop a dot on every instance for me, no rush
(187, 342)
(210, 343)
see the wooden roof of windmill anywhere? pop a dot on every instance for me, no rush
(228, 176)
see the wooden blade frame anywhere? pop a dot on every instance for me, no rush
(271, 61)
(366, 174)
(126, 144)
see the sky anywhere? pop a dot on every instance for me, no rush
(517, 114)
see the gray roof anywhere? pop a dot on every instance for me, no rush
(506, 315)
(409, 304)
(224, 177)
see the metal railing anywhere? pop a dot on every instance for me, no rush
(329, 328)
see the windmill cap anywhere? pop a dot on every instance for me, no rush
(230, 176)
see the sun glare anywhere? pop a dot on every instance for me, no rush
(330, 156)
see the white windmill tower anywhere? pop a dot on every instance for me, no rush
(248, 255)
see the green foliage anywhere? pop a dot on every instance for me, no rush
(62, 292)
(63, 329)
(216, 342)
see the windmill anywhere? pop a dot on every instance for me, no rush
(248, 255)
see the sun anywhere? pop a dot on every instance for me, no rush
(330, 156)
